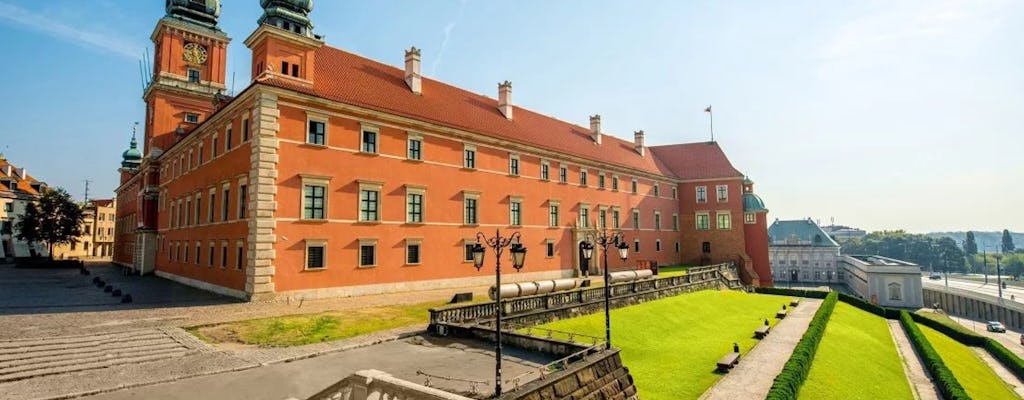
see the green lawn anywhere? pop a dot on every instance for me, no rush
(294, 330)
(671, 345)
(856, 359)
(673, 270)
(972, 373)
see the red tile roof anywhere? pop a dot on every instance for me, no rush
(696, 160)
(348, 78)
(24, 183)
(102, 202)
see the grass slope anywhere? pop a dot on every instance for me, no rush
(976, 377)
(671, 345)
(856, 359)
(294, 330)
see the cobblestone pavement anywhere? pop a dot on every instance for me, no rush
(920, 381)
(757, 369)
(35, 303)
(405, 359)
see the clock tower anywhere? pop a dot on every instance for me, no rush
(189, 64)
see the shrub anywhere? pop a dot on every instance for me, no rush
(1011, 361)
(814, 294)
(787, 383)
(887, 313)
(946, 382)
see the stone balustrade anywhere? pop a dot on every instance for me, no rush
(377, 385)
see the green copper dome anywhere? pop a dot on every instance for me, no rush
(290, 15)
(202, 12)
(753, 203)
(132, 157)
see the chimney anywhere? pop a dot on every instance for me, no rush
(412, 70)
(595, 128)
(505, 99)
(638, 141)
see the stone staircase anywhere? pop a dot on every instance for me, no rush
(30, 358)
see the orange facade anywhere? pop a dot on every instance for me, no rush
(329, 176)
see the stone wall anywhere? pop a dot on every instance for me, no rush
(976, 306)
(600, 376)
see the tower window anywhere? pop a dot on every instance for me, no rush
(284, 67)
(295, 70)
(192, 118)
(193, 75)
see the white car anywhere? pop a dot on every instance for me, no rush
(995, 326)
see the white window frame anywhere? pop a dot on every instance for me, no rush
(422, 192)
(718, 216)
(359, 254)
(367, 127)
(720, 198)
(554, 248)
(376, 186)
(696, 221)
(321, 118)
(470, 195)
(583, 216)
(557, 205)
(412, 242)
(305, 259)
(314, 180)
(545, 164)
(515, 200)
(749, 218)
(657, 220)
(412, 136)
(466, 148)
(675, 222)
(513, 158)
(697, 194)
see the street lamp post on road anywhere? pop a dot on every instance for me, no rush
(999, 280)
(617, 242)
(498, 243)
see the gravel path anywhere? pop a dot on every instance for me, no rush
(920, 381)
(756, 372)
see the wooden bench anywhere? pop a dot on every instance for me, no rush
(781, 314)
(729, 361)
(794, 303)
(761, 332)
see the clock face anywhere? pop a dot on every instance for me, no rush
(195, 53)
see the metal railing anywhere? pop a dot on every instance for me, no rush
(725, 273)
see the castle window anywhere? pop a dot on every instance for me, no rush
(724, 220)
(284, 67)
(295, 70)
(193, 75)
(192, 118)
(749, 218)
(369, 139)
(367, 252)
(316, 254)
(317, 133)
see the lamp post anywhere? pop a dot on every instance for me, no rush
(498, 243)
(999, 281)
(617, 241)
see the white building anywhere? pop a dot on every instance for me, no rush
(884, 281)
(801, 252)
(17, 190)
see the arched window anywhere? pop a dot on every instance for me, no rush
(895, 292)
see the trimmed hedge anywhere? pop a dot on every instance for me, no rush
(959, 333)
(946, 382)
(813, 294)
(787, 384)
(887, 313)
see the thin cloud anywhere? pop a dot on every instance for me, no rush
(447, 37)
(94, 40)
(897, 30)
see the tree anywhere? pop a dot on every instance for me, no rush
(970, 246)
(1007, 241)
(54, 219)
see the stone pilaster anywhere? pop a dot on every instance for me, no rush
(259, 282)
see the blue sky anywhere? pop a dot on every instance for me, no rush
(880, 114)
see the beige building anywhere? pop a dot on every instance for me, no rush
(17, 190)
(97, 240)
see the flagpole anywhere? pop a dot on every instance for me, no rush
(712, 114)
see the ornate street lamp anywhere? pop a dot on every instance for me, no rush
(518, 251)
(617, 241)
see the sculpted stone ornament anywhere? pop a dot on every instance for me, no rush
(195, 53)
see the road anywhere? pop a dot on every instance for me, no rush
(1011, 293)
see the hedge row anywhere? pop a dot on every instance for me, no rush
(814, 294)
(887, 313)
(1006, 357)
(787, 384)
(947, 383)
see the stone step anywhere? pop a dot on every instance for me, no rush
(16, 343)
(86, 355)
(70, 340)
(79, 345)
(111, 355)
(105, 346)
(92, 365)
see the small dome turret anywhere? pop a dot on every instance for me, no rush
(290, 15)
(132, 157)
(202, 12)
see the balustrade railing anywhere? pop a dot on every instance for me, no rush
(725, 273)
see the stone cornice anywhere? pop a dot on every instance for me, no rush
(264, 30)
(190, 32)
